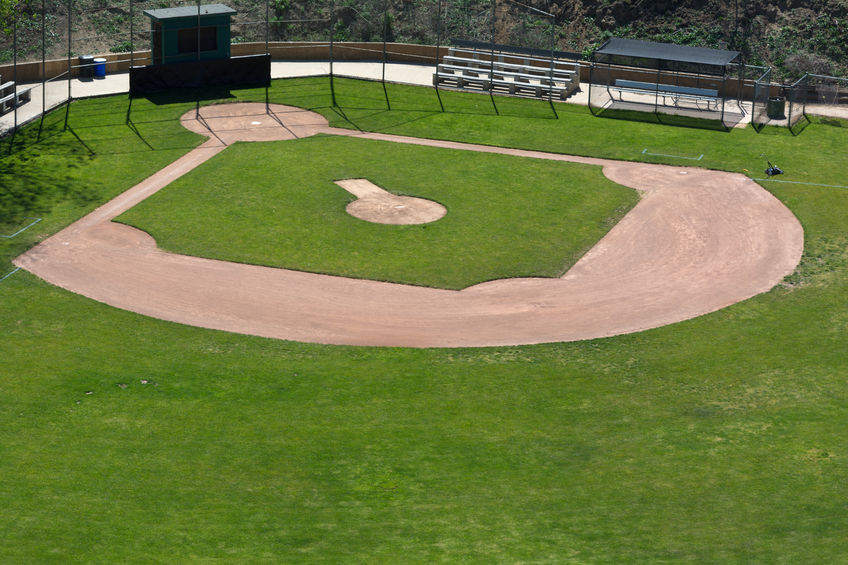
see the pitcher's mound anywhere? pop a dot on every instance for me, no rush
(400, 210)
(373, 204)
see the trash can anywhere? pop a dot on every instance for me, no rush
(100, 67)
(776, 107)
(86, 69)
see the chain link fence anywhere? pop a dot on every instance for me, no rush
(816, 95)
(56, 50)
(36, 34)
(759, 100)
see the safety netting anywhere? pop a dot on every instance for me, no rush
(34, 67)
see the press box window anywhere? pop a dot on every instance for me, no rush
(187, 39)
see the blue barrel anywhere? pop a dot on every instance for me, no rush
(100, 67)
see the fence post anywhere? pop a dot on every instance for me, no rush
(385, 33)
(332, 33)
(553, 49)
(198, 31)
(70, 68)
(43, 59)
(492, 58)
(15, 59)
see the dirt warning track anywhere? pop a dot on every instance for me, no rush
(696, 242)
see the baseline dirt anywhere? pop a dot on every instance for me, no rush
(697, 241)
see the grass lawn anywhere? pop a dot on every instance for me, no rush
(125, 439)
(276, 204)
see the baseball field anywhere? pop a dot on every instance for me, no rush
(719, 438)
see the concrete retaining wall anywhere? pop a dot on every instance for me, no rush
(298, 51)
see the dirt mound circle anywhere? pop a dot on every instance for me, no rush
(400, 210)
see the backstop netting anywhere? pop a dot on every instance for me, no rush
(304, 22)
(796, 98)
(36, 35)
(759, 100)
(100, 29)
(467, 21)
(820, 95)
(360, 33)
(523, 27)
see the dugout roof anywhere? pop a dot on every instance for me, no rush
(648, 50)
(189, 12)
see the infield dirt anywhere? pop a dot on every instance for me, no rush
(697, 241)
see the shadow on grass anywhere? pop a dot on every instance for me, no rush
(41, 133)
(355, 94)
(661, 118)
(183, 95)
(804, 121)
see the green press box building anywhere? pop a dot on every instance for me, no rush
(190, 33)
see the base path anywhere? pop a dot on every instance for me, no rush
(696, 242)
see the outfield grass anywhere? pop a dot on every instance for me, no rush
(276, 204)
(717, 440)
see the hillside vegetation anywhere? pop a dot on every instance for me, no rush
(790, 35)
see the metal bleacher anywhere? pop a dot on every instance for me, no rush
(10, 97)
(669, 92)
(507, 72)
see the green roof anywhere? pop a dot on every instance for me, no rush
(189, 12)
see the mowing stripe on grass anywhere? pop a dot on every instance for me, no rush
(23, 229)
(801, 182)
(7, 275)
(698, 158)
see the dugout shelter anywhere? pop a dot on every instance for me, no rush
(190, 47)
(661, 78)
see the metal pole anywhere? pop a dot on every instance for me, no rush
(492, 57)
(43, 59)
(332, 33)
(198, 30)
(438, 37)
(806, 91)
(657, 88)
(553, 48)
(132, 31)
(385, 33)
(438, 52)
(267, 16)
(735, 24)
(161, 44)
(591, 76)
(790, 95)
(70, 8)
(15, 60)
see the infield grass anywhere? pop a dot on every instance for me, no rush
(718, 440)
(275, 204)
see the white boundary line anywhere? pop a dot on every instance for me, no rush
(23, 229)
(7, 275)
(698, 158)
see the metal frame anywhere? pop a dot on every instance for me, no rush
(684, 72)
